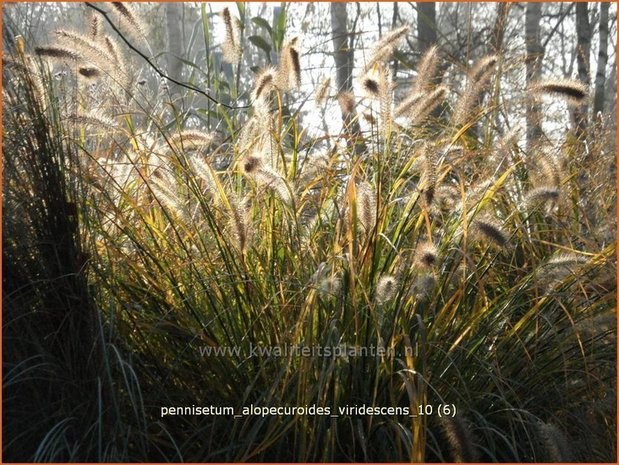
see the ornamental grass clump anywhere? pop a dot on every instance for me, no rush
(164, 241)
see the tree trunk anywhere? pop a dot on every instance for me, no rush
(496, 45)
(611, 111)
(173, 15)
(343, 56)
(610, 93)
(427, 37)
(342, 53)
(600, 76)
(426, 25)
(535, 55)
(583, 51)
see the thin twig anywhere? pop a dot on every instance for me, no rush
(554, 29)
(157, 70)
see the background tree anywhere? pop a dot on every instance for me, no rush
(426, 25)
(343, 55)
(600, 75)
(535, 54)
(583, 52)
(175, 46)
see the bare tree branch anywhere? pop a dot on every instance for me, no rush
(155, 68)
(554, 29)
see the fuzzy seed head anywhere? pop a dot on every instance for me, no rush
(428, 104)
(429, 176)
(477, 82)
(483, 69)
(166, 194)
(370, 85)
(59, 53)
(541, 195)
(238, 224)
(112, 48)
(295, 67)
(426, 255)
(550, 169)
(96, 119)
(424, 285)
(231, 48)
(426, 70)
(386, 288)
(459, 439)
(369, 117)
(555, 445)
(574, 92)
(288, 74)
(490, 230)
(448, 196)
(89, 72)
(264, 84)
(131, 21)
(407, 106)
(207, 174)
(94, 54)
(251, 165)
(267, 177)
(323, 91)
(366, 206)
(95, 27)
(385, 46)
(566, 260)
(330, 286)
(192, 139)
(347, 102)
